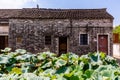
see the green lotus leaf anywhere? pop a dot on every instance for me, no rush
(7, 49)
(20, 51)
(46, 65)
(4, 60)
(16, 70)
(60, 62)
(24, 56)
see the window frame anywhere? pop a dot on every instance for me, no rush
(48, 40)
(80, 39)
(18, 40)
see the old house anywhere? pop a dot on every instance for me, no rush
(58, 30)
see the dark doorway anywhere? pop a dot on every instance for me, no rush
(103, 43)
(3, 42)
(62, 45)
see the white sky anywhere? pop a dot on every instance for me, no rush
(8, 4)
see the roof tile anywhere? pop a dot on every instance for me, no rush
(43, 13)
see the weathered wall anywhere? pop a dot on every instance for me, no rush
(94, 28)
(33, 32)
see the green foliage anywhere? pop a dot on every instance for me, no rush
(116, 29)
(21, 65)
(16, 70)
(6, 50)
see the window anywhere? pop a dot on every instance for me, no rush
(47, 40)
(18, 40)
(83, 39)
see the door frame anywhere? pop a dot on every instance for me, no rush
(108, 38)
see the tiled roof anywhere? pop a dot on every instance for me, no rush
(55, 13)
(7, 13)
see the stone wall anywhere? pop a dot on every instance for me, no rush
(33, 32)
(93, 28)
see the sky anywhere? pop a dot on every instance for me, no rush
(113, 6)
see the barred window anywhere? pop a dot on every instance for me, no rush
(47, 40)
(83, 39)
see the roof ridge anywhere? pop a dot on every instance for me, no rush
(64, 9)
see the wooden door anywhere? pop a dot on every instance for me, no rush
(62, 45)
(103, 43)
(115, 38)
(3, 42)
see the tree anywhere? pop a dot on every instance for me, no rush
(117, 29)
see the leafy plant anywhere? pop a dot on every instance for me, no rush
(21, 65)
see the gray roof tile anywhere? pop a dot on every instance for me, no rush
(43, 13)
